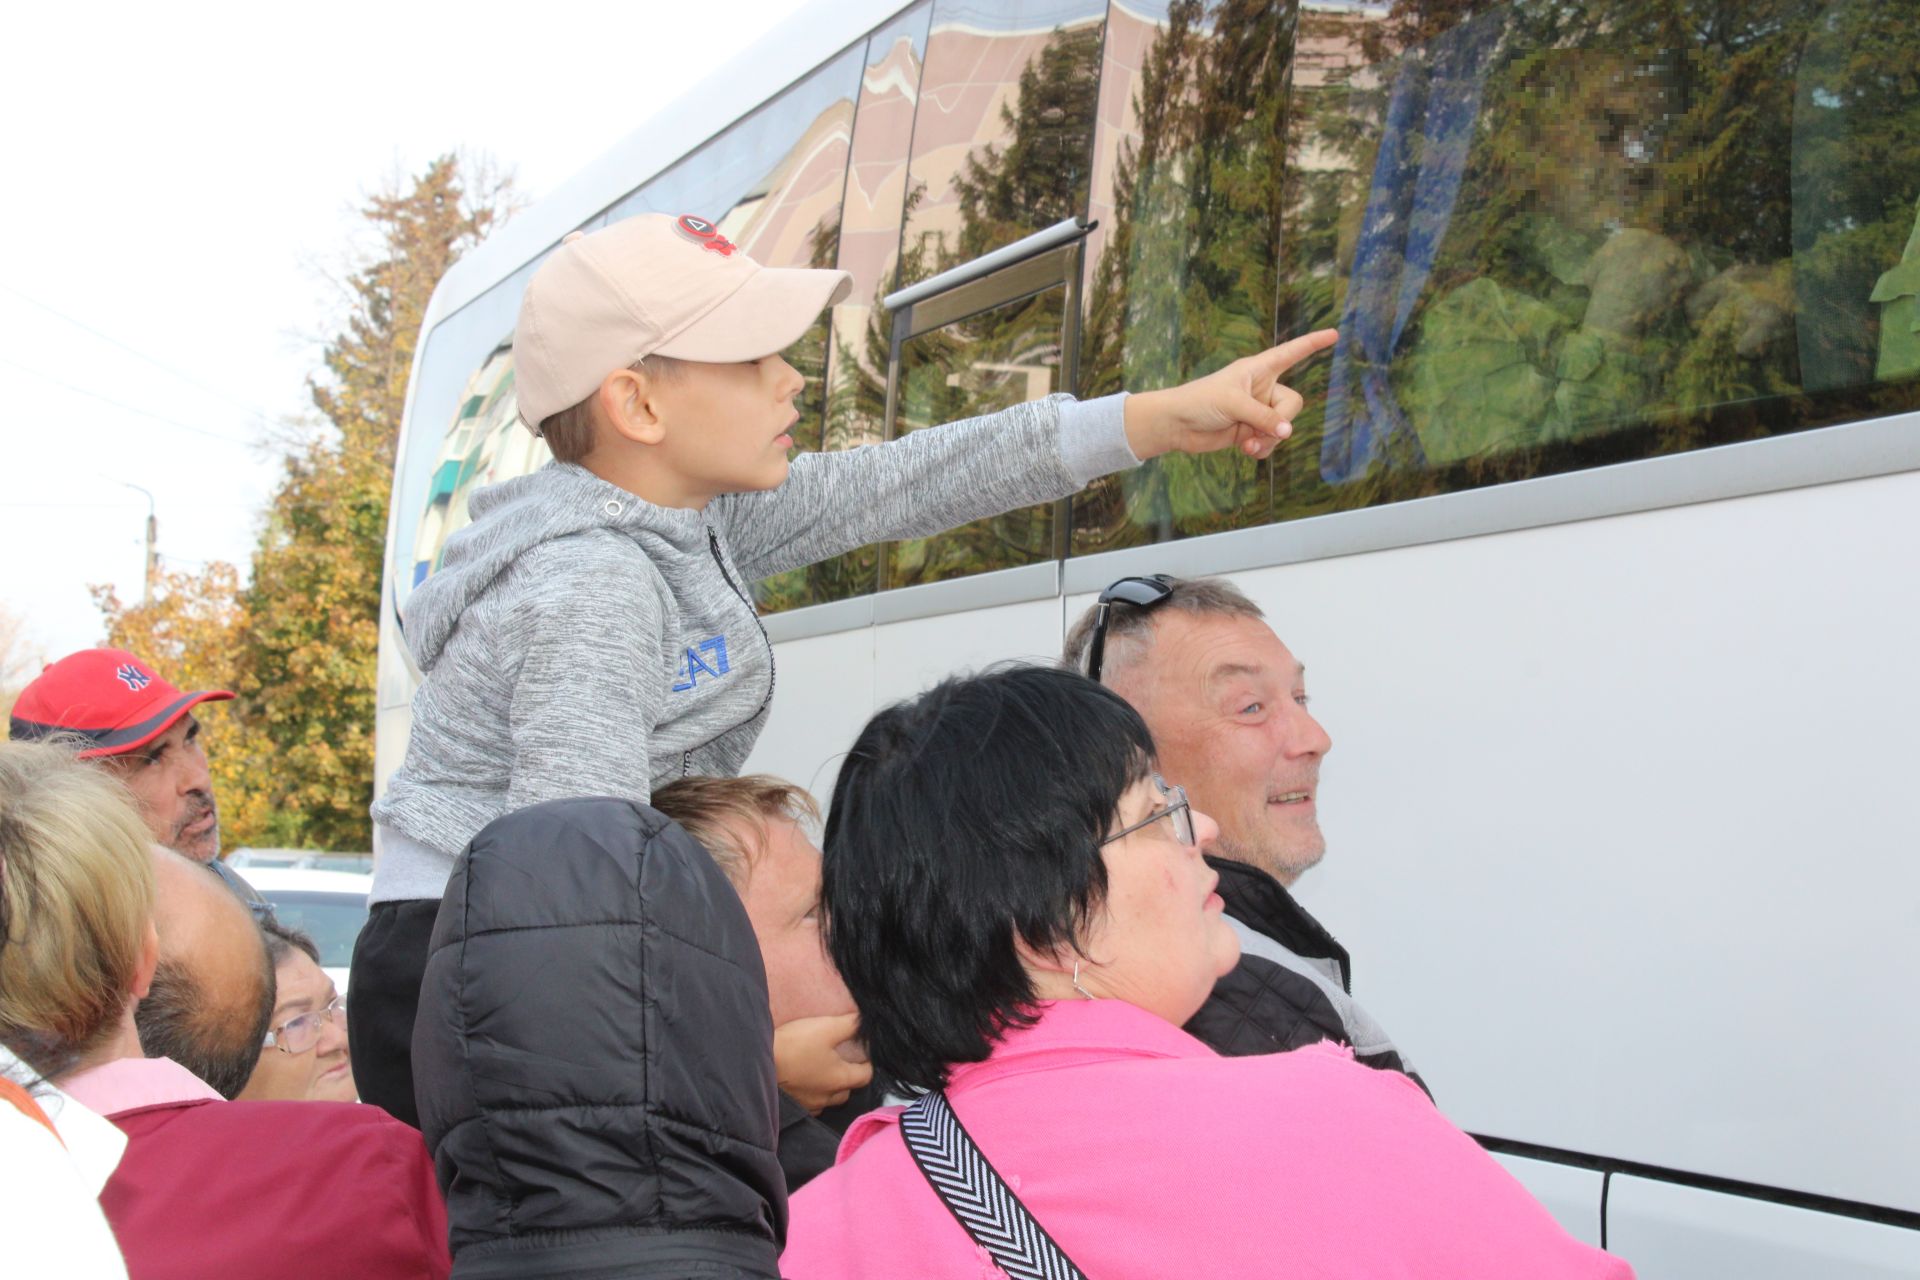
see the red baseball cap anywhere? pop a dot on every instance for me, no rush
(107, 697)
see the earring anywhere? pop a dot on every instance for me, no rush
(1076, 981)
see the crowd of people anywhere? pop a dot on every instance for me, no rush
(1038, 1003)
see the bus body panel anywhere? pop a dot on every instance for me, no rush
(1614, 889)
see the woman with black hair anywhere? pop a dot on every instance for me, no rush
(1019, 906)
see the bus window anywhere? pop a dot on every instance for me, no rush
(985, 362)
(1003, 134)
(484, 445)
(1555, 236)
(869, 248)
(1181, 276)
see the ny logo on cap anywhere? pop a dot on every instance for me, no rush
(704, 234)
(133, 677)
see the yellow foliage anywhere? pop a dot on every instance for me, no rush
(292, 758)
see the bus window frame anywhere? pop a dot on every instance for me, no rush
(1056, 267)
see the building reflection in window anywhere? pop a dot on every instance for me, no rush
(1003, 137)
(858, 331)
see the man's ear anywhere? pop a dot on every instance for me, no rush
(629, 407)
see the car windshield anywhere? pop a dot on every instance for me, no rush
(333, 920)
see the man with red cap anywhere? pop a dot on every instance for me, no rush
(127, 716)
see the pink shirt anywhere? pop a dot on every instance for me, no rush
(127, 1083)
(1145, 1154)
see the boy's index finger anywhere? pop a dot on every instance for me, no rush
(1277, 360)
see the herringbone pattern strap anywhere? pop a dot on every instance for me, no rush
(977, 1196)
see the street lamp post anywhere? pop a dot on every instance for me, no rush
(153, 554)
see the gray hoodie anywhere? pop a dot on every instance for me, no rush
(577, 641)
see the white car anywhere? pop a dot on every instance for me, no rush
(328, 906)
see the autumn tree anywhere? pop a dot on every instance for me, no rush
(309, 632)
(189, 631)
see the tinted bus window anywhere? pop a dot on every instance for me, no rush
(1559, 235)
(983, 363)
(1002, 139)
(869, 250)
(1182, 271)
(1555, 234)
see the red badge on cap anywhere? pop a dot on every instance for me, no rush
(704, 234)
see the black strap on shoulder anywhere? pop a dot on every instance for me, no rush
(978, 1197)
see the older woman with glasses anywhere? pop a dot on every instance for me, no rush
(304, 1057)
(1019, 906)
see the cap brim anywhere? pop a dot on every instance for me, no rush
(766, 315)
(114, 742)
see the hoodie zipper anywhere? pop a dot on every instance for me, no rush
(773, 674)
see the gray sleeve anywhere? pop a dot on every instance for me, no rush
(590, 688)
(926, 482)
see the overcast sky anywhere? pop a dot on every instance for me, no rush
(173, 176)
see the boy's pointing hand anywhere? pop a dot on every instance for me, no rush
(1244, 405)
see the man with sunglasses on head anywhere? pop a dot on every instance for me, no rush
(1226, 703)
(126, 717)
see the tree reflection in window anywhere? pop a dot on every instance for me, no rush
(981, 364)
(1188, 186)
(1557, 235)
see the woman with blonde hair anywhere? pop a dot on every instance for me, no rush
(81, 946)
(201, 1186)
(75, 944)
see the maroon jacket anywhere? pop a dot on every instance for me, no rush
(288, 1190)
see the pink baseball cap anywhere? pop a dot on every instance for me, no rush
(649, 285)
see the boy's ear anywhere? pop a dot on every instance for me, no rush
(626, 402)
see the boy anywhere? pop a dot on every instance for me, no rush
(590, 633)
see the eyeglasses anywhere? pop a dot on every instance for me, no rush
(261, 908)
(297, 1035)
(1141, 593)
(1177, 808)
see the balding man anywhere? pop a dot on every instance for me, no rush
(124, 715)
(213, 990)
(1226, 703)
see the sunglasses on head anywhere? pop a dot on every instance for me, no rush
(1141, 593)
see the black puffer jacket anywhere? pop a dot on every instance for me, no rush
(1261, 1006)
(594, 1055)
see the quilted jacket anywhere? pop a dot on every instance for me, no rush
(1263, 1007)
(593, 1056)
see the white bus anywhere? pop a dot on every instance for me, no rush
(1600, 535)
